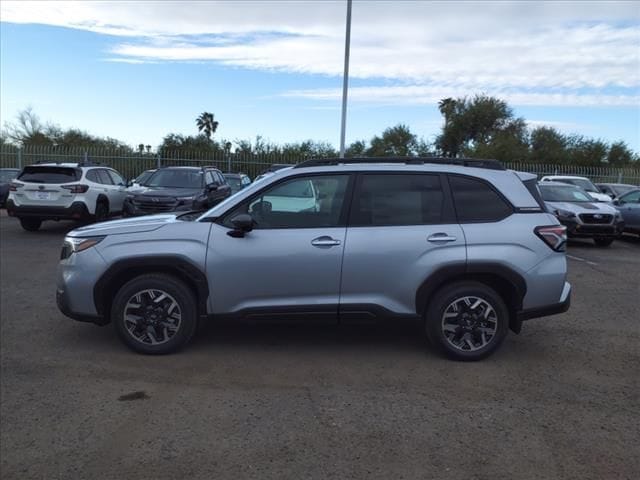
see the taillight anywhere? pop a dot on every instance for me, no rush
(78, 188)
(553, 235)
(13, 187)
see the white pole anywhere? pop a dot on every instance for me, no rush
(345, 79)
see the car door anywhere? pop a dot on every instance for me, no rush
(629, 207)
(289, 264)
(224, 189)
(119, 190)
(401, 230)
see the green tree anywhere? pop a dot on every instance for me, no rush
(396, 141)
(586, 151)
(619, 154)
(476, 123)
(356, 149)
(207, 124)
(548, 145)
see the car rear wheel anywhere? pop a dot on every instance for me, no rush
(603, 241)
(155, 314)
(102, 212)
(467, 320)
(31, 224)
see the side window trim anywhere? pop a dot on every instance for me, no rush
(344, 212)
(512, 209)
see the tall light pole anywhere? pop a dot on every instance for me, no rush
(345, 79)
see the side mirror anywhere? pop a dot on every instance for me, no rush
(617, 202)
(243, 223)
(212, 187)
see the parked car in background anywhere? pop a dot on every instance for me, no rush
(629, 207)
(614, 190)
(582, 182)
(237, 181)
(581, 214)
(271, 170)
(139, 182)
(59, 191)
(6, 176)
(466, 246)
(174, 189)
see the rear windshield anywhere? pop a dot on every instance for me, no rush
(233, 181)
(532, 186)
(50, 174)
(579, 182)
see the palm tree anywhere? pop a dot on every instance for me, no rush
(446, 107)
(206, 124)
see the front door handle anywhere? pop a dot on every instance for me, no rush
(325, 241)
(441, 237)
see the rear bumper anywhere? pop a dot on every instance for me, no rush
(76, 211)
(552, 309)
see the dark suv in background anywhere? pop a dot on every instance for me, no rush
(172, 189)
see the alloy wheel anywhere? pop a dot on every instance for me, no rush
(469, 323)
(152, 316)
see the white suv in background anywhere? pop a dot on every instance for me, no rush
(582, 182)
(58, 191)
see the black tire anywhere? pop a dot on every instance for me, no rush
(102, 212)
(444, 298)
(31, 224)
(175, 290)
(603, 241)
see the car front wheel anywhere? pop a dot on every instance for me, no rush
(155, 314)
(467, 320)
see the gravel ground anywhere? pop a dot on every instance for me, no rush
(559, 400)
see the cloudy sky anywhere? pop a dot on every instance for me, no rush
(137, 70)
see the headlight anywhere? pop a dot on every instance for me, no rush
(78, 244)
(185, 200)
(564, 213)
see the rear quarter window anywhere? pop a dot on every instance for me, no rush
(49, 174)
(476, 201)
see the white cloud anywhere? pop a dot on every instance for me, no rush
(531, 53)
(420, 94)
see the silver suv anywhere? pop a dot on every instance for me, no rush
(465, 246)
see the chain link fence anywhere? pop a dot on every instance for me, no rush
(131, 164)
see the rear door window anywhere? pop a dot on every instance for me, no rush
(104, 177)
(476, 201)
(394, 200)
(115, 177)
(36, 174)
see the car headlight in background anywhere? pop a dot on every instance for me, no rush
(78, 244)
(186, 200)
(564, 213)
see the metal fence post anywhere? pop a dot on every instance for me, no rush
(85, 156)
(20, 158)
(158, 160)
(619, 176)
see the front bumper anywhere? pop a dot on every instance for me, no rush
(577, 229)
(62, 299)
(76, 211)
(552, 309)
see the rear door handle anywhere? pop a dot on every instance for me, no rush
(325, 241)
(441, 237)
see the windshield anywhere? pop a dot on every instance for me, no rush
(234, 182)
(622, 189)
(143, 177)
(8, 175)
(556, 193)
(49, 174)
(176, 179)
(580, 182)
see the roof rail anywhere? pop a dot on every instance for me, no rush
(465, 162)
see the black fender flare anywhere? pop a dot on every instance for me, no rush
(509, 283)
(123, 270)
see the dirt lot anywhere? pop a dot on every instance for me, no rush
(558, 401)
